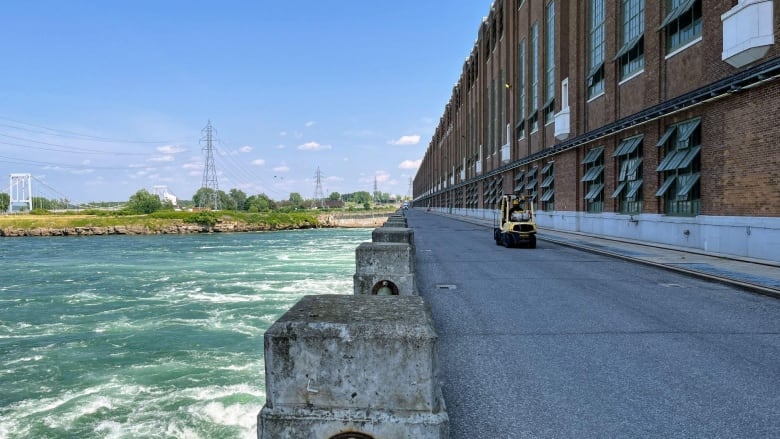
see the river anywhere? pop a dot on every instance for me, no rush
(151, 336)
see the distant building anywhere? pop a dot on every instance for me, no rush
(165, 195)
(649, 120)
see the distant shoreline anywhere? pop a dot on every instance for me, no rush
(178, 227)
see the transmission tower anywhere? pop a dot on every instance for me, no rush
(319, 197)
(409, 194)
(209, 169)
(377, 195)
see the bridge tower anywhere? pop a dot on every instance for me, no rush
(209, 169)
(20, 191)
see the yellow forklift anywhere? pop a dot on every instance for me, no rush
(517, 225)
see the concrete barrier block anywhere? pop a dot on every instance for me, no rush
(384, 258)
(337, 363)
(394, 222)
(393, 234)
(305, 422)
(384, 268)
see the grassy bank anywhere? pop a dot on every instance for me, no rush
(164, 219)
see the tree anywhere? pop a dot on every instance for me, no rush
(259, 203)
(335, 196)
(296, 200)
(362, 197)
(5, 201)
(204, 197)
(238, 198)
(143, 202)
(225, 201)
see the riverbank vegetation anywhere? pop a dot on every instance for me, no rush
(146, 213)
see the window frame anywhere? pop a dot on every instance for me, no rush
(548, 184)
(597, 45)
(550, 84)
(534, 116)
(520, 127)
(629, 190)
(593, 179)
(631, 56)
(683, 24)
(681, 168)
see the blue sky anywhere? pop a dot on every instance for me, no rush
(102, 98)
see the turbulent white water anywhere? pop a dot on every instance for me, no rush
(151, 336)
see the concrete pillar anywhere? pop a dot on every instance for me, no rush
(384, 268)
(361, 364)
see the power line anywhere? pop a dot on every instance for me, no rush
(72, 134)
(72, 149)
(19, 161)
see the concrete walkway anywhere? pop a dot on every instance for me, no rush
(558, 342)
(761, 276)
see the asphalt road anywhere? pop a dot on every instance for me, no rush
(560, 343)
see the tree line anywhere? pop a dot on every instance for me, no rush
(143, 202)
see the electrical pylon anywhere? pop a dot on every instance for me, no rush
(319, 196)
(209, 169)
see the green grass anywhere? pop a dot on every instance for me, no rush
(152, 221)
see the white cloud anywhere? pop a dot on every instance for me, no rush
(192, 166)
(406, 140)
(280, 146)
(382, 176)
(313, 146)
(310, 123)
(282, 168)
(258, 162)
(410, 164)
(283, 133)
(245, 149)
(170, 149)
(164, 158)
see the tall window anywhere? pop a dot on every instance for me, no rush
(629, 185)
(597, 39)
(520, 92)
(681, 168)
(488, 127)
(548, 187)
(631, 56)
(534, 119)
(501, 116)
(549, 70)
(593, 178)
(682, 23)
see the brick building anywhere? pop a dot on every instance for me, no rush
(647, 120)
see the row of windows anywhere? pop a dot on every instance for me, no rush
(682, 25)
(679, 170)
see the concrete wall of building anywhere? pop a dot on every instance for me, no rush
(738, 236)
